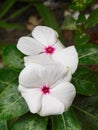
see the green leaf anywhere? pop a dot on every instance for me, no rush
(69, 23)
(6, 7)
(3, 125)
(66, 121)
(30, 122)
(81, 38)
(13, 58)
(87, 112)
(19, 12)
(88, 54)
(81, 4)
(6, 78)
(12, 104)
(49, 19)
(92, 20)
(81, 18)
(85, 81)
(7, 25)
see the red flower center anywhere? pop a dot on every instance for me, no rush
(49, 50)
(45, 89)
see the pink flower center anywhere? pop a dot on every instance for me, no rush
(45, 89)
(49, 50)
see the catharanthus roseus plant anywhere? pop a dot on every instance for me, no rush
(46, 89)
(45, 85)
(45, 48)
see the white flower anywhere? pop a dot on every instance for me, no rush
(46, 90)
(45, 48)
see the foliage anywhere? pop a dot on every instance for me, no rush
(83, 115)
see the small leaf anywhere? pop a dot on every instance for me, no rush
(92, 20)
(49, 19)
(81, 18)
(85, 81)
(88, 54)
(30, 122)
(13, 58)
(69, 23)
(81, 4)
(66, 121)
(81, 38)
(78, 6)
(3, 125)
(12, 104)
(7, 25)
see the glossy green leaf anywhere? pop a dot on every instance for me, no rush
(88, 54)
(69, 23)
(49, 18)
(87, 112)
(3, 125)
(30, 122)
(12, 104)
(85, 81)
(6, 25)
(92, 20)
(81, 38)
(13, 58)
(66, 121)
(6, 78)
(7, 5)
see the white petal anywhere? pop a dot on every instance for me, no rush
(67, 77)
(31, 76)
(65, 93)
(42, 59)
(51, 106)
(55, 73)
(67, 57)
(30, 46)
(33, 99)
(58, 46)
(45, 35)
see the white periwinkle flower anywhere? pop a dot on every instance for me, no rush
(46, 90)
(45, 48)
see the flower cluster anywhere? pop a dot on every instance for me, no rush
(44, 83)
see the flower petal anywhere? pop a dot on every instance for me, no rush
(45, 35)
(30, 46)
(50, 106)
(31, 76)
(67, 57)
(67, 77)
(42, 59)
(55, 73)
(33, 99)
(65, 93)
(58, 46)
